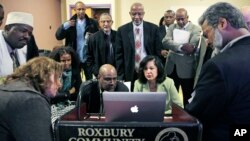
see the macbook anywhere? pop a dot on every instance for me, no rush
(134, 106)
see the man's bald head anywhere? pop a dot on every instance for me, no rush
(107, 77)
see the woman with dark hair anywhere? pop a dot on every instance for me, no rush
(152, 78)
(71, 78)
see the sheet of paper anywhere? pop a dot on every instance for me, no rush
(181, 36)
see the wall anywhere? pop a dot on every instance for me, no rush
(154, 11)
(94, 2)
(47, 18)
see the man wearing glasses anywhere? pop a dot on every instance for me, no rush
(134, 41)
(181, 62)
(101, 45)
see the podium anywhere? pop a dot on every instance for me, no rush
(76, 125)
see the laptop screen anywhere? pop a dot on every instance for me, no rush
(134, 106)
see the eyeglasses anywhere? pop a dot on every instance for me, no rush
(137, 13)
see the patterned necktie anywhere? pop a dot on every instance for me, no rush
(108, 50)
(137, 48)
(14, 59)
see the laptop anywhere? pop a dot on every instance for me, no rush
(134, 106)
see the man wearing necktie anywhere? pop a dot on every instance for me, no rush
(132, 46)
(181, 61)
(101, 45)
(13, 41)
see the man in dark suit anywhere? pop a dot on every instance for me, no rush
(222, 95)
(101, 45)
(76, 32)
(169, 18)
(91, 91)
(134, 41)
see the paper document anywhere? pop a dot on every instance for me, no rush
(181, 36)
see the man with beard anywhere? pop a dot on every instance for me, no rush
(91, 91)
(221, 97)
(13, 40)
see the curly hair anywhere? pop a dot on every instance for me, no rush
(58, 52)
(36, 72)
(224, 10)
(161, 73)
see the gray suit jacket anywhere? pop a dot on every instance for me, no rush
(185, 64)
(200, 59)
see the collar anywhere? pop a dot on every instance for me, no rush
(231, 43)
(138, 26)
(79, 21)
(107, 33)
(185, 27)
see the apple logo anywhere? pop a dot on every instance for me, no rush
(134, 109)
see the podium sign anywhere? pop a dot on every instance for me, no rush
(179, 127)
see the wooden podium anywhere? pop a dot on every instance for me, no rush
(76, 125)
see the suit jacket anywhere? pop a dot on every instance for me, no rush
(162, 31)
(166, 86)
(125, 48)
(70, 34)
(222, 92)
(200, 59)
(185, 64)
(90, 93)
(96, 49)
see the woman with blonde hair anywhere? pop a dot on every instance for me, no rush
(25, 113)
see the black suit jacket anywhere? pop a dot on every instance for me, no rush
(125, 48)
(162, 31)
(70, 34)
(223, 92)
(96, 49)
(90, 94)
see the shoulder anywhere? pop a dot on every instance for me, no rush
(149, 24)
(121, 87)
(168, 81)
(125, 26)
(89, 84)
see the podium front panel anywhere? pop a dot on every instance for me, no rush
(179, 127)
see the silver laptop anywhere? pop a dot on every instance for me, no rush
(134, 106)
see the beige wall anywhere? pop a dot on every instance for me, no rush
(47, 17)
(155, 9)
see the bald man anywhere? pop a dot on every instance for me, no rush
(181, 61)
(246, 14)
(91, 90)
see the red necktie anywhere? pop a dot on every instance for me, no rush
(137, 48)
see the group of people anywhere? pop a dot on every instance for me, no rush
(218, 98)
